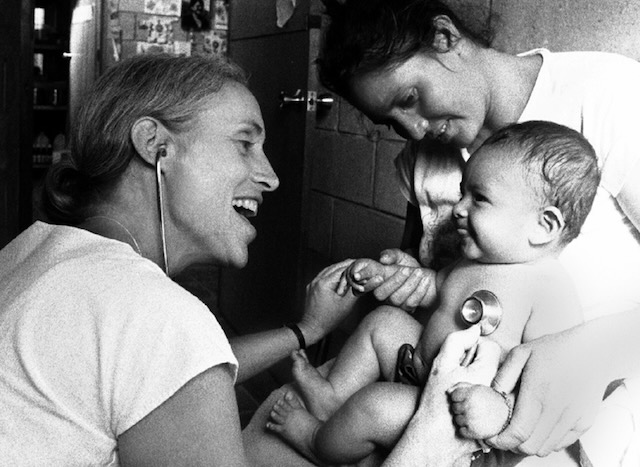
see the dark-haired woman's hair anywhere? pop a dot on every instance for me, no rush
(170, 89)
(366, 36)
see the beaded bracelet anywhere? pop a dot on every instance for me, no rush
(484, 447)
(505, 397)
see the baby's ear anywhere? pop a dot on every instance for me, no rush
(550, 225)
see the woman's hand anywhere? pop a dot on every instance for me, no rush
(561, 386)
(430, 438)
(410, 286)
(325, 305)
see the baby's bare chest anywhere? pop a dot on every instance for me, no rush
(514, 287)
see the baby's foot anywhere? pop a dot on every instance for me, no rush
(317, 391)
(480, 411)
(290, 420)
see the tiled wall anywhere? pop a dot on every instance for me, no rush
(355, 206)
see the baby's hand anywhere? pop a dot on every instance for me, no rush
(364, 275)
(480, 412)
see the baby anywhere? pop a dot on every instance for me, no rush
(525, 195)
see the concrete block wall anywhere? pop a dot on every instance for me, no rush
(355, 207)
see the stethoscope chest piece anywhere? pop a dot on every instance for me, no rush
(482, 307)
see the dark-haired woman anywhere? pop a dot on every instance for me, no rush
(413, 65)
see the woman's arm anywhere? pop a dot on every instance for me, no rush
(430, 438)
(198, 425)
(324, 310)
(564, 377)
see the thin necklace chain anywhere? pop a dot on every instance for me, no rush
(133, 239)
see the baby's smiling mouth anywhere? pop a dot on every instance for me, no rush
(246, 207)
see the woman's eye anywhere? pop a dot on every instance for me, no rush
(410, 99)
(245, 145)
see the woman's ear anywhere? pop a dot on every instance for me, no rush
(446, 35)
(149, 136)
(550, 225)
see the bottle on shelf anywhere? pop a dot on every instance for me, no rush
(42, 149)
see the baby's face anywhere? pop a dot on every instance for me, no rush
(499, 209)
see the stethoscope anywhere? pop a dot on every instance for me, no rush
(483, 308)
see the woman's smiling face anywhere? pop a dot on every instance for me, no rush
(433, 95)
(217, 180)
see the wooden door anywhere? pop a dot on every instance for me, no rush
(16, 68)
(84, 48)
(267, 293)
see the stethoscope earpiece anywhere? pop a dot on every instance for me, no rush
(162, 152)
(482, 307)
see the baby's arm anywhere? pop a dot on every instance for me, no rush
(364, 275)
(416, 285)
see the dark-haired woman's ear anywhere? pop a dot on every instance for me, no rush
(446, 35)
(148, 137)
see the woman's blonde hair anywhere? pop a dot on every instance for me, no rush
(170, 89)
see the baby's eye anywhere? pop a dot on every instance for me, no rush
(479, 198)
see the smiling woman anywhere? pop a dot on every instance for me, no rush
(414, 65)
(161, 177)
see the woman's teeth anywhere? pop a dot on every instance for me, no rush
(245, 206)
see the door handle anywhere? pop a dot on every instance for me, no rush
(312, 100)
(325, 101)
(290, 100)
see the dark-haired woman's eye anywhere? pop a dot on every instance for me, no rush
(410, 99)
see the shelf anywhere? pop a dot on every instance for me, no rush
(51, 108)
(49, 47)
(50, 84)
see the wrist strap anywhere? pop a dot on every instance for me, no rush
(296, 330)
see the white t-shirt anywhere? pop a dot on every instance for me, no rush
(597, 94)
(93, 337)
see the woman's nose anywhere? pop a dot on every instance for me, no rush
(460, 208)
(265, 175)
(414, 127)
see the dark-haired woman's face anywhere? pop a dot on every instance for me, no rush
(438, 96)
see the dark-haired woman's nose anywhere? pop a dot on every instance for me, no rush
(460, 208)
(412, 127)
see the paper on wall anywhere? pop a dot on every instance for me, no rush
(284, 11)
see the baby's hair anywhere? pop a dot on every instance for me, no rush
(560, 165)
(374, 35)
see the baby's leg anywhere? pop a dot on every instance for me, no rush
(480, 411)
(295, 425)
(374, 417)
(369, 354)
